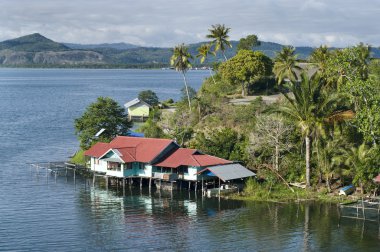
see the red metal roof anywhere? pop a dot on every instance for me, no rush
(97, 150)
(132, 148)
(190, 157)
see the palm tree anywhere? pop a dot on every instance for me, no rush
(320, 57)
(285, 64)
(220, 38)
(181, 63)
(203, 51)
(358, 158)
(310, 107)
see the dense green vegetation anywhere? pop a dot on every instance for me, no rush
(105, 114)
(323, 130)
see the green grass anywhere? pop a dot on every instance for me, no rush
(79, 158)
(255, 191)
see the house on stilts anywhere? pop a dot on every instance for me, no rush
(162, 162)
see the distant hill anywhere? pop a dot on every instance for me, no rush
(37, 50)
(117, 46)
(32, 43)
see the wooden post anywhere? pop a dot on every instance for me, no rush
(202, 187)
(363, 208)
(123, 186)
(140, 183)
(74, 175)
(150, 183)
(189, 185)
(196, 186)
(219, 188)
(107, 182)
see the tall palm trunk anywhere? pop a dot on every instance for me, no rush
(212, 76)
(224, 55)
(307, 141)
(187, 90)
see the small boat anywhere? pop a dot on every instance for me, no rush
(347, 190)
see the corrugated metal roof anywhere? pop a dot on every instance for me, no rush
(229, 171)
(132, 148)
(190, 157)
(134, 102)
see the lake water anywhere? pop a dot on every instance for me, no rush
(37, 109)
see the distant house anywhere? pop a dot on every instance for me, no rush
(159, 160)
(137, 109)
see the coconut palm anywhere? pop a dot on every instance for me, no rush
(285, 65)
(310, 107)
(319, 57)
(180, 61)
(203, 51)
(220, 38)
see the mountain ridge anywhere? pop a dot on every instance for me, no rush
(37, 50)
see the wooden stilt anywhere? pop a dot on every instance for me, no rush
(123, 186)
(140, 183)
(219, 188)
(150, 183)
(196, 186)
(189, 185)
(74, 175)
(107, 183)
(202, 187)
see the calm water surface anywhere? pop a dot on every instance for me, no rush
(37, 109)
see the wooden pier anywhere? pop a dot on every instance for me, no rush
(65, 169)
(364, 209)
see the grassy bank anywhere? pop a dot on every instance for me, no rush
(255, 191)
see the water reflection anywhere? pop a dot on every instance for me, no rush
(181, 220)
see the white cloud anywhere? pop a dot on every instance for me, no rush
(169, 22)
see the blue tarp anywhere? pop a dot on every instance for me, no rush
(135, 134)
(210, 174)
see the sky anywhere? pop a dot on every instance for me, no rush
(165, 23)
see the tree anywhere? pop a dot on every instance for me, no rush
(203, 51)
(106, 114)
(220, 39)
(191, 93)
(310, 107)
(364, 162)
(181, 63)
(149, 97)
(151, 128)
(248, 42)
(285, 64)
(274, 133)
(224, 143)
(245, 68)
(366, 97)
(320, 57)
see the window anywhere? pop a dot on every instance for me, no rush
(183, 169)
(114, 166)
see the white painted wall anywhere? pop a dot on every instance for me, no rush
(191, 174)
(101, 167)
